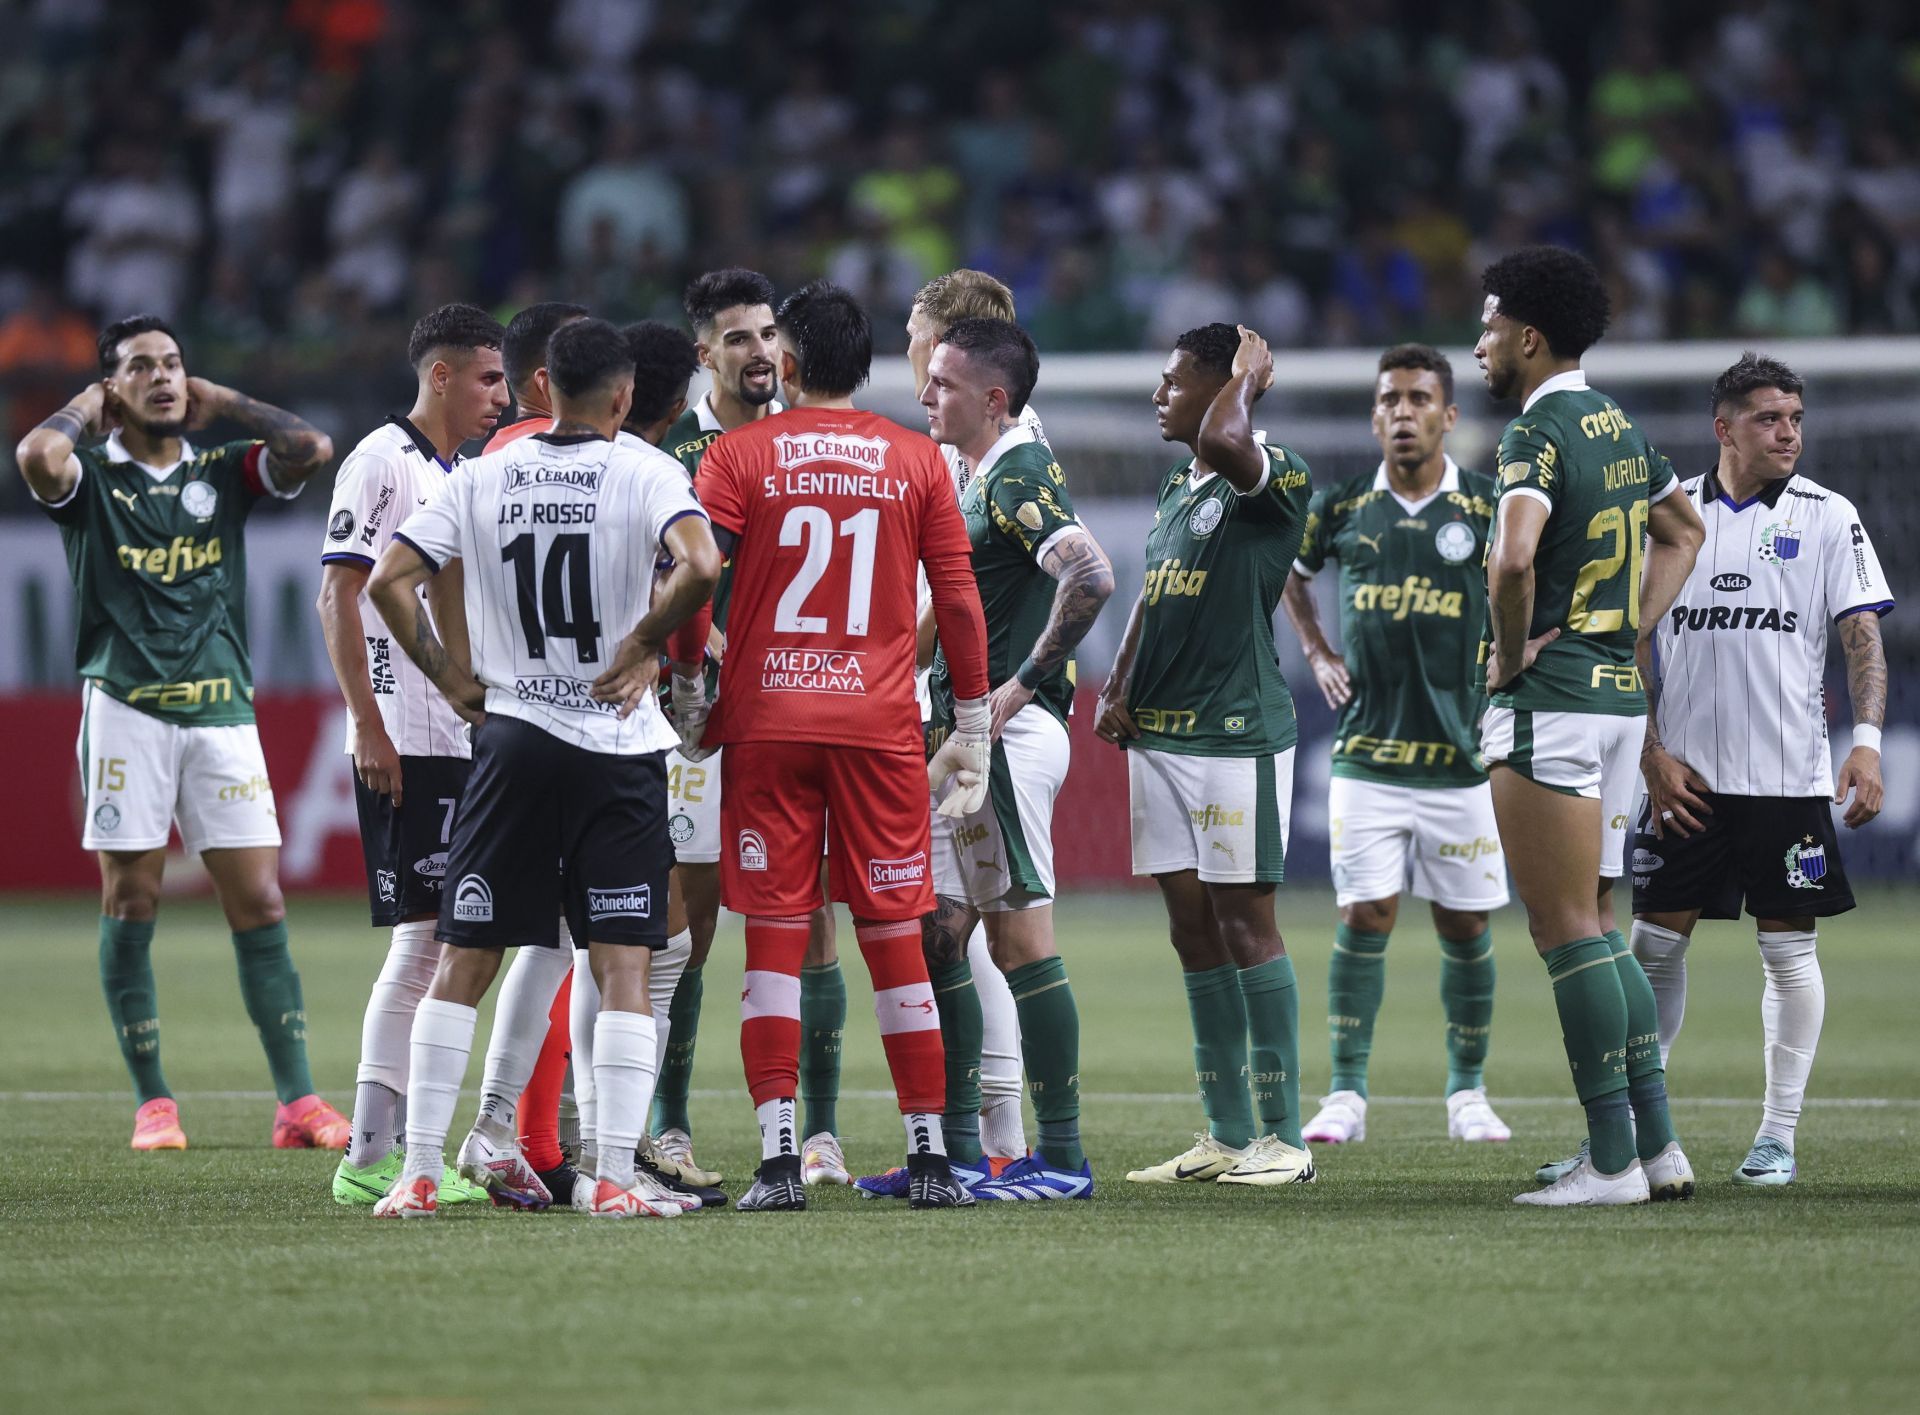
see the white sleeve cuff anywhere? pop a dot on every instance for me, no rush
(79, 471)
(1040, 551)
(1533, 492)
(1303, 572)
(1658, 496)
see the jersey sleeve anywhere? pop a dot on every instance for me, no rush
(1284, 492)
(1316, 545)
(364, 509)
(434, 529)
(246, 464)
(72, 509)
(1855, 581)
(1662, 480)
(717, 486)
(1030, 506)
(948, 557)
(1530, 463)
(667, 498)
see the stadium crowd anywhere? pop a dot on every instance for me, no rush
(299, 179)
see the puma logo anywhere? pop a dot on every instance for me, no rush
(127, 496)
(1370, 542)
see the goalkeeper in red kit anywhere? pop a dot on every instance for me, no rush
(826, 512)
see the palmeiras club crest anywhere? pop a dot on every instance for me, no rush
(1806, 864)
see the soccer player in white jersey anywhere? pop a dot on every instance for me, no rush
(559, 534)
(1740, 783)
(407, 743)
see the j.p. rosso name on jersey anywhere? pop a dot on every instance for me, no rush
(183, 555)
(1414, 595)
(1169, 580)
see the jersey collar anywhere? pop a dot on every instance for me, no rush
(567, 439)
(1574, 380)
(1193, 480)
(1020, 432)
(117, 452)
(1449, 481)
(709, 420)
(421, 442)
(1768, 496)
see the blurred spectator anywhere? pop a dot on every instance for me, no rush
(46, 353)
(1197, 295)
(138, 227)
(633, 194)
(1634, 93)
(1077, 311)
(1502, 90)
(369, 224)
(252, 123)
(1784, 300)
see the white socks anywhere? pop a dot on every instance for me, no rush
(1663, 957)
(668, 964)
(519, 1031)
(924, 1134)
(442, 1042)
(624, 1071)
(385, 1034)
(582, 1010)
(1791, 1010)
(776, 1128)
(1002, 1129)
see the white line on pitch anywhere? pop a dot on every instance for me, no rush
(1091, 1097)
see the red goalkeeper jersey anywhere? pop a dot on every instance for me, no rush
(833, 510)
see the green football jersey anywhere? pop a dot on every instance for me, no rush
(1013, 507)
(687, 441)
(1205, 680)
(159, 568)
(1413, 603)
(1577, 452)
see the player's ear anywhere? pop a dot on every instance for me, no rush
(1722, 431)
(1450, 417)
(439, 376)
(679, 407)
(540, 382)
(622, 401)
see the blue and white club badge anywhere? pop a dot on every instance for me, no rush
(1455, 541)
(1806, 864)
(1780, 543)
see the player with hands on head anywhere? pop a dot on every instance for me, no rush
(155, 535)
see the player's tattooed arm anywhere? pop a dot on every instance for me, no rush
(1084, 583)
(1867, 686)
(45, 455)
(296, 449)
(395, 589)
(1226, 443)
(944, 932)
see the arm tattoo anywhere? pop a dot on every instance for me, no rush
(944, 932)
(296, 445)
(1866, 667)
(68, 424)
(1085, 582)
(426, 650)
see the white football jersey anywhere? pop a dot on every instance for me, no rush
(560, 535)
(1743, 651)
(392, 473)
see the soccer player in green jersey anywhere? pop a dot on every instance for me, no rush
(155, 534)
(1196, 699)
(1043, 579)
(731, 312)
(1408, 803)
(1568, 587)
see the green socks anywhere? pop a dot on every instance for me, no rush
(126, 976)
(1646, 1077)
(676, 1068)
(1593, 1026)
(961, 1030)
(1466, 995)
(1050, 1046)
(823, 1018)
(1356, 981)
(1273, 1053)
(1220, 1052)
(271, 989)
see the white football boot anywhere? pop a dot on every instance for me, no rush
(1205, 1162)
(1469, 1117)
(1669, 1176)
(821, 1160)
(1341, 1120)
(1586, 1187)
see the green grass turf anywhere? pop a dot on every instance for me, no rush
(224, 1279)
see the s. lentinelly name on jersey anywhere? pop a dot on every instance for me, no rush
(159, 564)
(1205, 680)
(560, 535)
(1743, 652)
(1413, 603)
(1576, 452)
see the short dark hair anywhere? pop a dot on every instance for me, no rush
(1420, 356)
(1005, 348)
(464, 327)
(719, 290)
(663, 360)
(1753, 373)
(121, 330)
(1555, 290)
(1212, 347)
(528, 333)
(586, 354)
(831, 336)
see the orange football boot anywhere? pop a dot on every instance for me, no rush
(156, 1126)
(310, 1124)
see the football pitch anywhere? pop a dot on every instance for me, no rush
(225, 1279)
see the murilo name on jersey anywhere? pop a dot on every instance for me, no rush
(1743, 651)
(394, 471)
(561, 536)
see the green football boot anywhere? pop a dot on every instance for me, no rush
(363, 1188)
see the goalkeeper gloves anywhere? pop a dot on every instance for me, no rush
(966, 756)
(690, 712)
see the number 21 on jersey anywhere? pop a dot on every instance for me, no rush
(813, 527)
